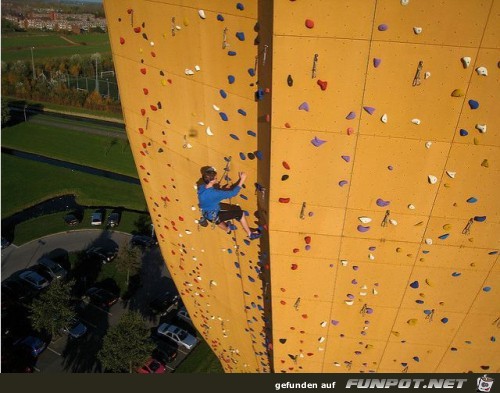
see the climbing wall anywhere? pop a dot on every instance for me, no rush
(370, 132)
(187, 78)
(383, 222)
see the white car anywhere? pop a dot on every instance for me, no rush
(177, 335)
(183, 315)
(96, 218)
(34, 279)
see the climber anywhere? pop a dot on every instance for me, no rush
(210, 197)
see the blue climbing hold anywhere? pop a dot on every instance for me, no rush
(223, 116)
(444, 320)
(480, 218)
(472, 200)
(242, 112)
(220, 18)
(419, 301)
(246, 213)
(237, 265)
(427, 312)
(487, 289)
(416, 358)
(231, 53)
(223, 94)
(231, 79)
(251, 133)
(244, 197)
(243, 156)
(445, 236)
(240, 35)
(259, 94)
(456, 274)
(473, 104)
(414, 284)
(229, 251)
(259, 155)
(493, 253)
(240, 6)
(493, 339)
(464, 132)
(234, 136)
(425, 251)
(251, 72)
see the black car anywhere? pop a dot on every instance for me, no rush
(164, 303)
(104, 254)
(143, 241)
(165, 354)
(101, 297)
(71, 220)
(42, 271)
(113, 219)
(16, 292)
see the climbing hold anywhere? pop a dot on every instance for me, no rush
(197, 68)
(444, 320)
(289, 80)
(234, 137)
(251, 72)
(466, 61)
(390, 167)
(216, 107)
(445, 236)
(317, 142)
(427, 75)
(346, 158)
(432, 179)
(304, 107)
(137, 29)
(428, 241)
(322, 84)
(414, 285)
(349, 302)
(242, 112)
(481, 128)
(240, 35)
(451, 174)
(342, 183)
(294, 266)
(251, 133)
(307, 239)
(122, 40)
(405, 2)
(231, 53)
(220, 18)
(223, 116)
(376, 62)
(223, 94)
(209, 131)
(202, 14)
(230, 79)
(309, 23)
(380, 202)
(285, 165)
(242, 156)
(480, 218)
(417, 30)
(472, 200)
(362, 228)
(485, 163)
(482, 71)
(187, 71)
(456, 274)
(383, 27)
(487, 289)
(415, 121)
(428, 144)
(457, 93)
(365, 220)
(351, 115)
(258, 154)
(284, 177)
(240, 6)
(412, 322)
(369, 109)
(473, 104)
(463, 132)
(411, 207)
(350, 130)
(284, 200)
(251, 156)
(383, 119)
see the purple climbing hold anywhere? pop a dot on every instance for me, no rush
(243, 197)
(419, 301)
(231, 53)
(304, 107)
(369, 109)
(346, 158)
(416, 358)
(334, 322)
(354, 281)
(383, 27)
(380, 202)
(480, 218)
(414, 285)
(317, 142)
(351, 115)
(350, 296)
(464, 132)
(231, 79)
(473, 104)
(251, 72)
(251, 133)
(376, 62)
(240, 35)
(390, 167)
(361, 228)
(234, 136)
(242, 112)
(223, 116)
(342, 183)
(372, 248)
(223, 94)
(220, 18)
(369, 310)
(355, 268)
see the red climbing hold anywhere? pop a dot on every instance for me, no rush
(285, 165)
(122, 40)
(141, 131)
(350, 131)
(283, 302)
(295, 250)
(309, 23)
(143, 71)
(137, 29)
(143, 111)
(294, 266)
(287, 125)
(304, 316)
(129, 11)
(153, 54)
(284, 200)
(146, 91)
(322, 84)
(153, 108)
(144, 145)
(307, 239)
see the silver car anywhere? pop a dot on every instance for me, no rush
(177, 335)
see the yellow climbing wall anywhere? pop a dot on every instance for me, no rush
(375, 266)
(373, 180)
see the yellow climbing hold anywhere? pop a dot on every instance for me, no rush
(447, 185)
(412, 322)
(185, 22)
(476, 141)
(485, 163)
(419, 223)
(395, 333)
(422, 259)
(471, 239)
(164, 82)
(457, 93)
(399, 249)
(446, 227)
(428, 282)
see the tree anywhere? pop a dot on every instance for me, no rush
(52, 310)
(128, 260)
(5, 112)
(126, 346)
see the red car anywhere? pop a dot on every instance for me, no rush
(152, 366)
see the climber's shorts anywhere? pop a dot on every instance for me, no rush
(229, 212)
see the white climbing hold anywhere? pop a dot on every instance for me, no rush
(451, 174)
(482, 71)
(428, 144)
(344, 262)
(427, 75)
(321, 339)
(202, 14)
(324, 324)
(411, 207)
(216, 107)
(362, 294)
(209, 132)
(417, 30)
(364, 287)
(415, 121)
(177, 27)
(213, 283)
(321, 349)
(152, 43)
(201, 123)
(349, 302)
(405, 2)
(371, 257)
(193, 208)
(374, 291)
(432, 179)
(188, 145)
(197, 68)
(383, 119)
(428, 241)
(188, 232)
(393, 222)
(466, 61)
(187, 71)
(481, 128)
(365, 220)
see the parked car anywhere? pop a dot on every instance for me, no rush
(166, 354)
(42, 272)
(164, 303)
(183, 315)
(143, 241)
(34, 279)
(103, 253)
(114, 219)
(152, 366)
(16, 292)
(101, 297)
(33, 345)
(177, 335)
(71, 219)
(96, 218)
(75, 328)
(53, 268)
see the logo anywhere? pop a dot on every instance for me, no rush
(484, 383)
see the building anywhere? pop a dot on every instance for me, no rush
(370, 134)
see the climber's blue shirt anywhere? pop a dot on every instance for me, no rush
(210, 198)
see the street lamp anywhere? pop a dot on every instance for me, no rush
(33, 61)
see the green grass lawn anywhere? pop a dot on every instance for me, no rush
(201, 360)
(25, 183)
(79, 147)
